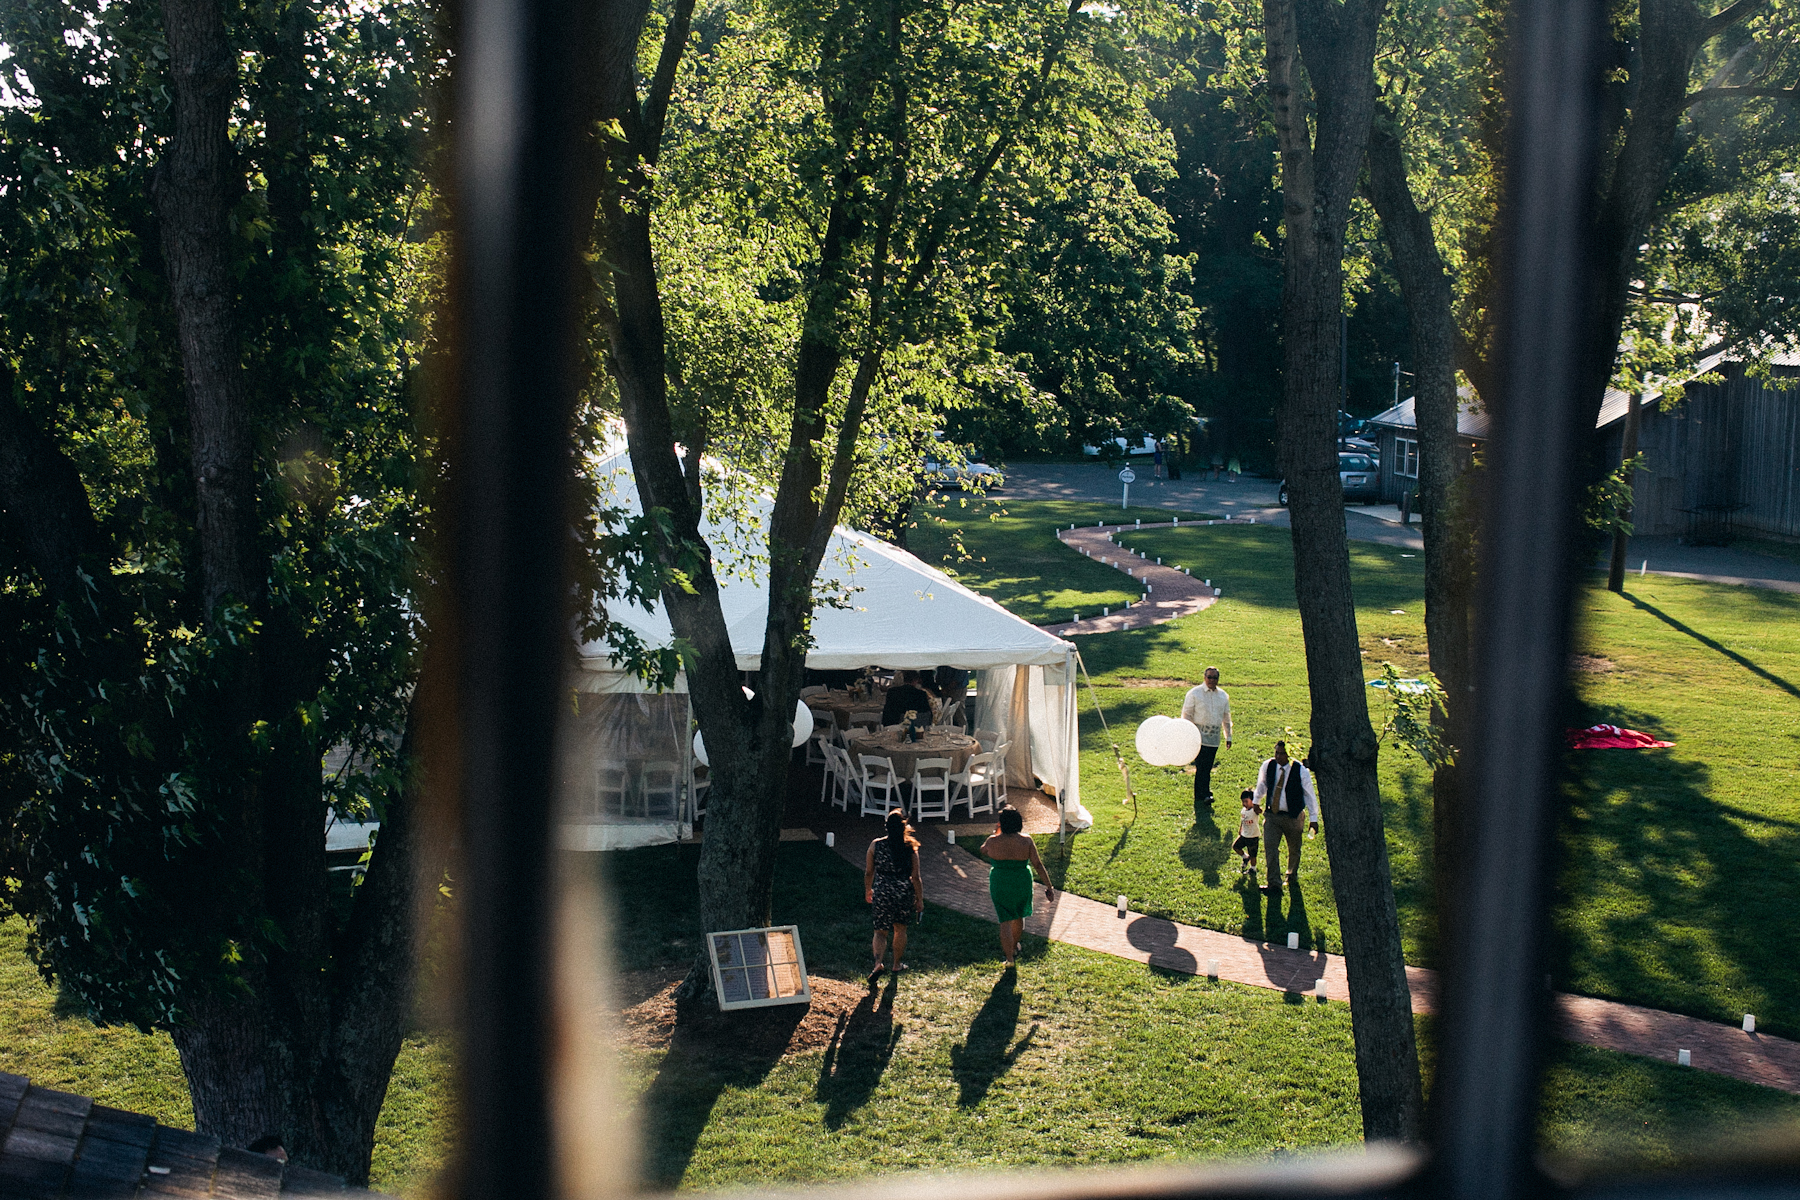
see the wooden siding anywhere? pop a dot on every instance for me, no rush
(1736, 442)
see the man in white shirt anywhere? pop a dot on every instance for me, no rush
(1290, 803)
(1209, 709)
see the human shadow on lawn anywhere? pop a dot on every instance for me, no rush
(1203, 850)
(1666, 900)
(988, 1051)
(709, 1052)
(861, 1047)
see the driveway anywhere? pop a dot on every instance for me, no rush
(1250, 496)
(1717, 564)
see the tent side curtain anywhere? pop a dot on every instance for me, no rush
(1033, 708)
(626, 772)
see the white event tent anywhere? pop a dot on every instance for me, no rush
(626, 750)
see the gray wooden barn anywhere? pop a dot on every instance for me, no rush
(1725, 459)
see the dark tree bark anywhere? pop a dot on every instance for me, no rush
(195, 184)
(1449, 563)
(749, 741)
(306, 1051)
(1319, 175)
(1615, 568)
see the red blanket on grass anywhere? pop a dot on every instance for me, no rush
(1611, 737)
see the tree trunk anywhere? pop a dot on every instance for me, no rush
(1615, 571)
(305, 1052)
(1338, 42)
(1449, 563)
(194, 187)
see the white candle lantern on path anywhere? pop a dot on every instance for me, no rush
(1293, 941)
(1121, 905)
(1684, 1058)
(1212, 968)
(1749, 1022)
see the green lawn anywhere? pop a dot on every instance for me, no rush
(1010, 552)
(1683, 865)
(1156, 854)
(58, 1048)
(1086, 1059)
(1679, 862)
(1680, 867)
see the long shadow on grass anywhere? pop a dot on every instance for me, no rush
(989, 1052)
(1204, 851)
(1666, 900)
(861, 1047)
(708, 1053)
(1710, 644)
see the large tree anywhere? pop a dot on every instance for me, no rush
(207, 483)
(904, 133)
(1321, 159)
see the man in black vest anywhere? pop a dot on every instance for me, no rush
(1285, 790)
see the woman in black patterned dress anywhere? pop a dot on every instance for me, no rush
(891, 883)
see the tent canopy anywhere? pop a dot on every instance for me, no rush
(895, 612)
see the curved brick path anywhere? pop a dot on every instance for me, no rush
(1169, 593)
(957, 880)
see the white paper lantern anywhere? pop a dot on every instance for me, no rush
(700, 749)
(1146, 738)
(803, 722)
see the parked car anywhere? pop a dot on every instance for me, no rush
(965, 476)
(1360, 475)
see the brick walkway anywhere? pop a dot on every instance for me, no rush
(1168, 592)
(957, 880)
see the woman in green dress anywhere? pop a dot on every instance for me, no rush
(1013, 856)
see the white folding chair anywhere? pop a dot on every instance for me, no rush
(613, 785)
(825, 775)
(698, 786)
(974, 785)
(870, 719)
(931, 788)
(952, 714)
(846, 783)
(880, 790)
(661, 790)
(988, 739)
(815, 746)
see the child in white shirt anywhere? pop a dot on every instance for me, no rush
(1249, 832)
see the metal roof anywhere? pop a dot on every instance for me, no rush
(57, 1144)
(1471, 418)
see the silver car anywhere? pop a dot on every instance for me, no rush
(1360, 475)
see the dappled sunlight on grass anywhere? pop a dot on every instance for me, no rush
(1681, 864)
(1169, 865)
(1012, 554)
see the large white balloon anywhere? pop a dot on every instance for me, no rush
(1146, 739)
(803, 727)
(1179, 742)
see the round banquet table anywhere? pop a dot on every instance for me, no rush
(838, 705)
(888, 743)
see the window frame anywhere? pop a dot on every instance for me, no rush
(1406, 451)
(494, 666)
